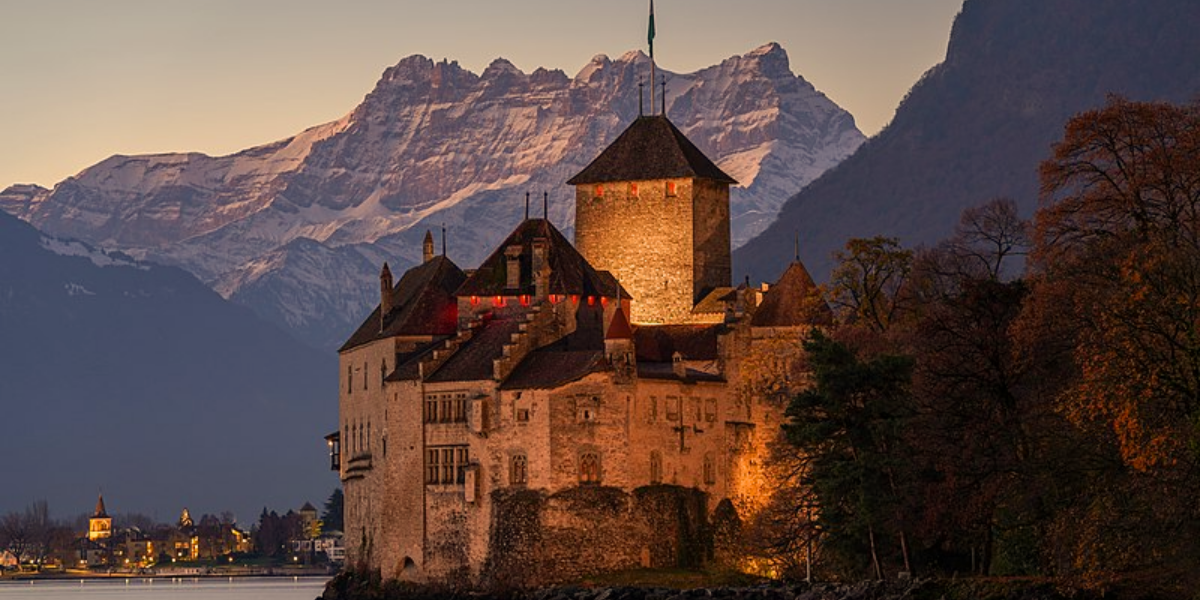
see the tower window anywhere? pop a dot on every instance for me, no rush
(349, 379)
(589, 468)
(710, 469)
(518, 470)
(655, 467)
(671, 188)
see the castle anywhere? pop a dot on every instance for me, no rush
(568, 409)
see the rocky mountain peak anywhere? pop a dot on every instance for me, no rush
(297, 228)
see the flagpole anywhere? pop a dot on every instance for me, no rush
(650, 39)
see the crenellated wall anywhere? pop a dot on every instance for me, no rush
(666, 249)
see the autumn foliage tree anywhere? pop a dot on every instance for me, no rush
(1116, 268)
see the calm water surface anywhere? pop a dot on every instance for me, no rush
(167, 588)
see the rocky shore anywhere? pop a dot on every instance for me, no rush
(350, 587)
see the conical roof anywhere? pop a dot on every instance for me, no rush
(650, 148)
(100, 512)
(619, 328)
(793, 301)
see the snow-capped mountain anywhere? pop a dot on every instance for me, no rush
(432, 144)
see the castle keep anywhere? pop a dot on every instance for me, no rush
(566, 409)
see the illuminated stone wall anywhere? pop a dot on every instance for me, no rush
(665, 249)
(539, 538)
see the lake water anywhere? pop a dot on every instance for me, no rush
(167, 588)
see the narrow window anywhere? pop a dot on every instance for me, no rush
(431, 412)
(670, 188)
(518, 470)
(364, 376)
(589, 468)
(382, 373)
(655, 467)
(673, 407)
(599, 191)
(460, 408)
(710, 410)
(447, 465)
(710, 469)
(368, 436)
(653, 409)
(431, 466)
(633, 190)
(349, 379)
(460, 464)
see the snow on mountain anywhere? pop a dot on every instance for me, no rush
(431, 145)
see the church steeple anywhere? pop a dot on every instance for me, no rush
(100, 525)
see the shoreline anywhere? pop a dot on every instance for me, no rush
(246, 573)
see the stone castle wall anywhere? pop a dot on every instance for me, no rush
(710, 238)
(644, 239)
(539, 538)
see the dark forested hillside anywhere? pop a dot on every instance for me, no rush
(140, 381)
(975, 127)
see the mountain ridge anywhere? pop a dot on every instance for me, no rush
(434, 143)
(976, 126)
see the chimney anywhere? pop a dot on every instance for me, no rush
(385, 295)
(678, 366)
(427, 247)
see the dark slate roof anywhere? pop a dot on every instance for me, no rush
(661, 370)
(545, 369)
(570, 273)
(716, 300)
(473, 360)
(793, 301)
(650, 148)
(659, 343)
(619, 328)
(423, 303)
(408, 364)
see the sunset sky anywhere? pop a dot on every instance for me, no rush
(82, 80)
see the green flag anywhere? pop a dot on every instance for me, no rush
(650, 34)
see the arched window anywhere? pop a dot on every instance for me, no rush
(518, 470)
(710, 469)
(589, 468)
(655, 466)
